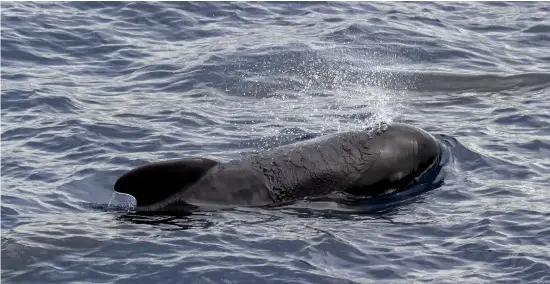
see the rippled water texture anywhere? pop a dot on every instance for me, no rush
(90, 90)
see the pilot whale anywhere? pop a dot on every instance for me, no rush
(371, 162)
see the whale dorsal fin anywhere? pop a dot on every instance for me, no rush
(154, 182)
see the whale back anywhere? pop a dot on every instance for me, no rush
(364, 163)
(155, 182)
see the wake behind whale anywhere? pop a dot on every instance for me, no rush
(368, 163)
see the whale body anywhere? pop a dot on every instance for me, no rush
(366, 163)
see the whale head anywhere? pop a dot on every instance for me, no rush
(404, 152)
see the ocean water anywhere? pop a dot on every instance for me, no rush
(91, 89)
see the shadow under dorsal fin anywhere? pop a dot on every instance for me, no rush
(154, 182)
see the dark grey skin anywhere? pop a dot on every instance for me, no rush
(364, 163)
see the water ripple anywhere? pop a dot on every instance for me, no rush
(92, 89)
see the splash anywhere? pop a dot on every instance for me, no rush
(339, 90)
(120, 201)
(292, 90)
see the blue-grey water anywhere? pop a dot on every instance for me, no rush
(90, 90)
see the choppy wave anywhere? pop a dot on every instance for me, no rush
(91, 89)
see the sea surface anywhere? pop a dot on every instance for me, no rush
(91, 89)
